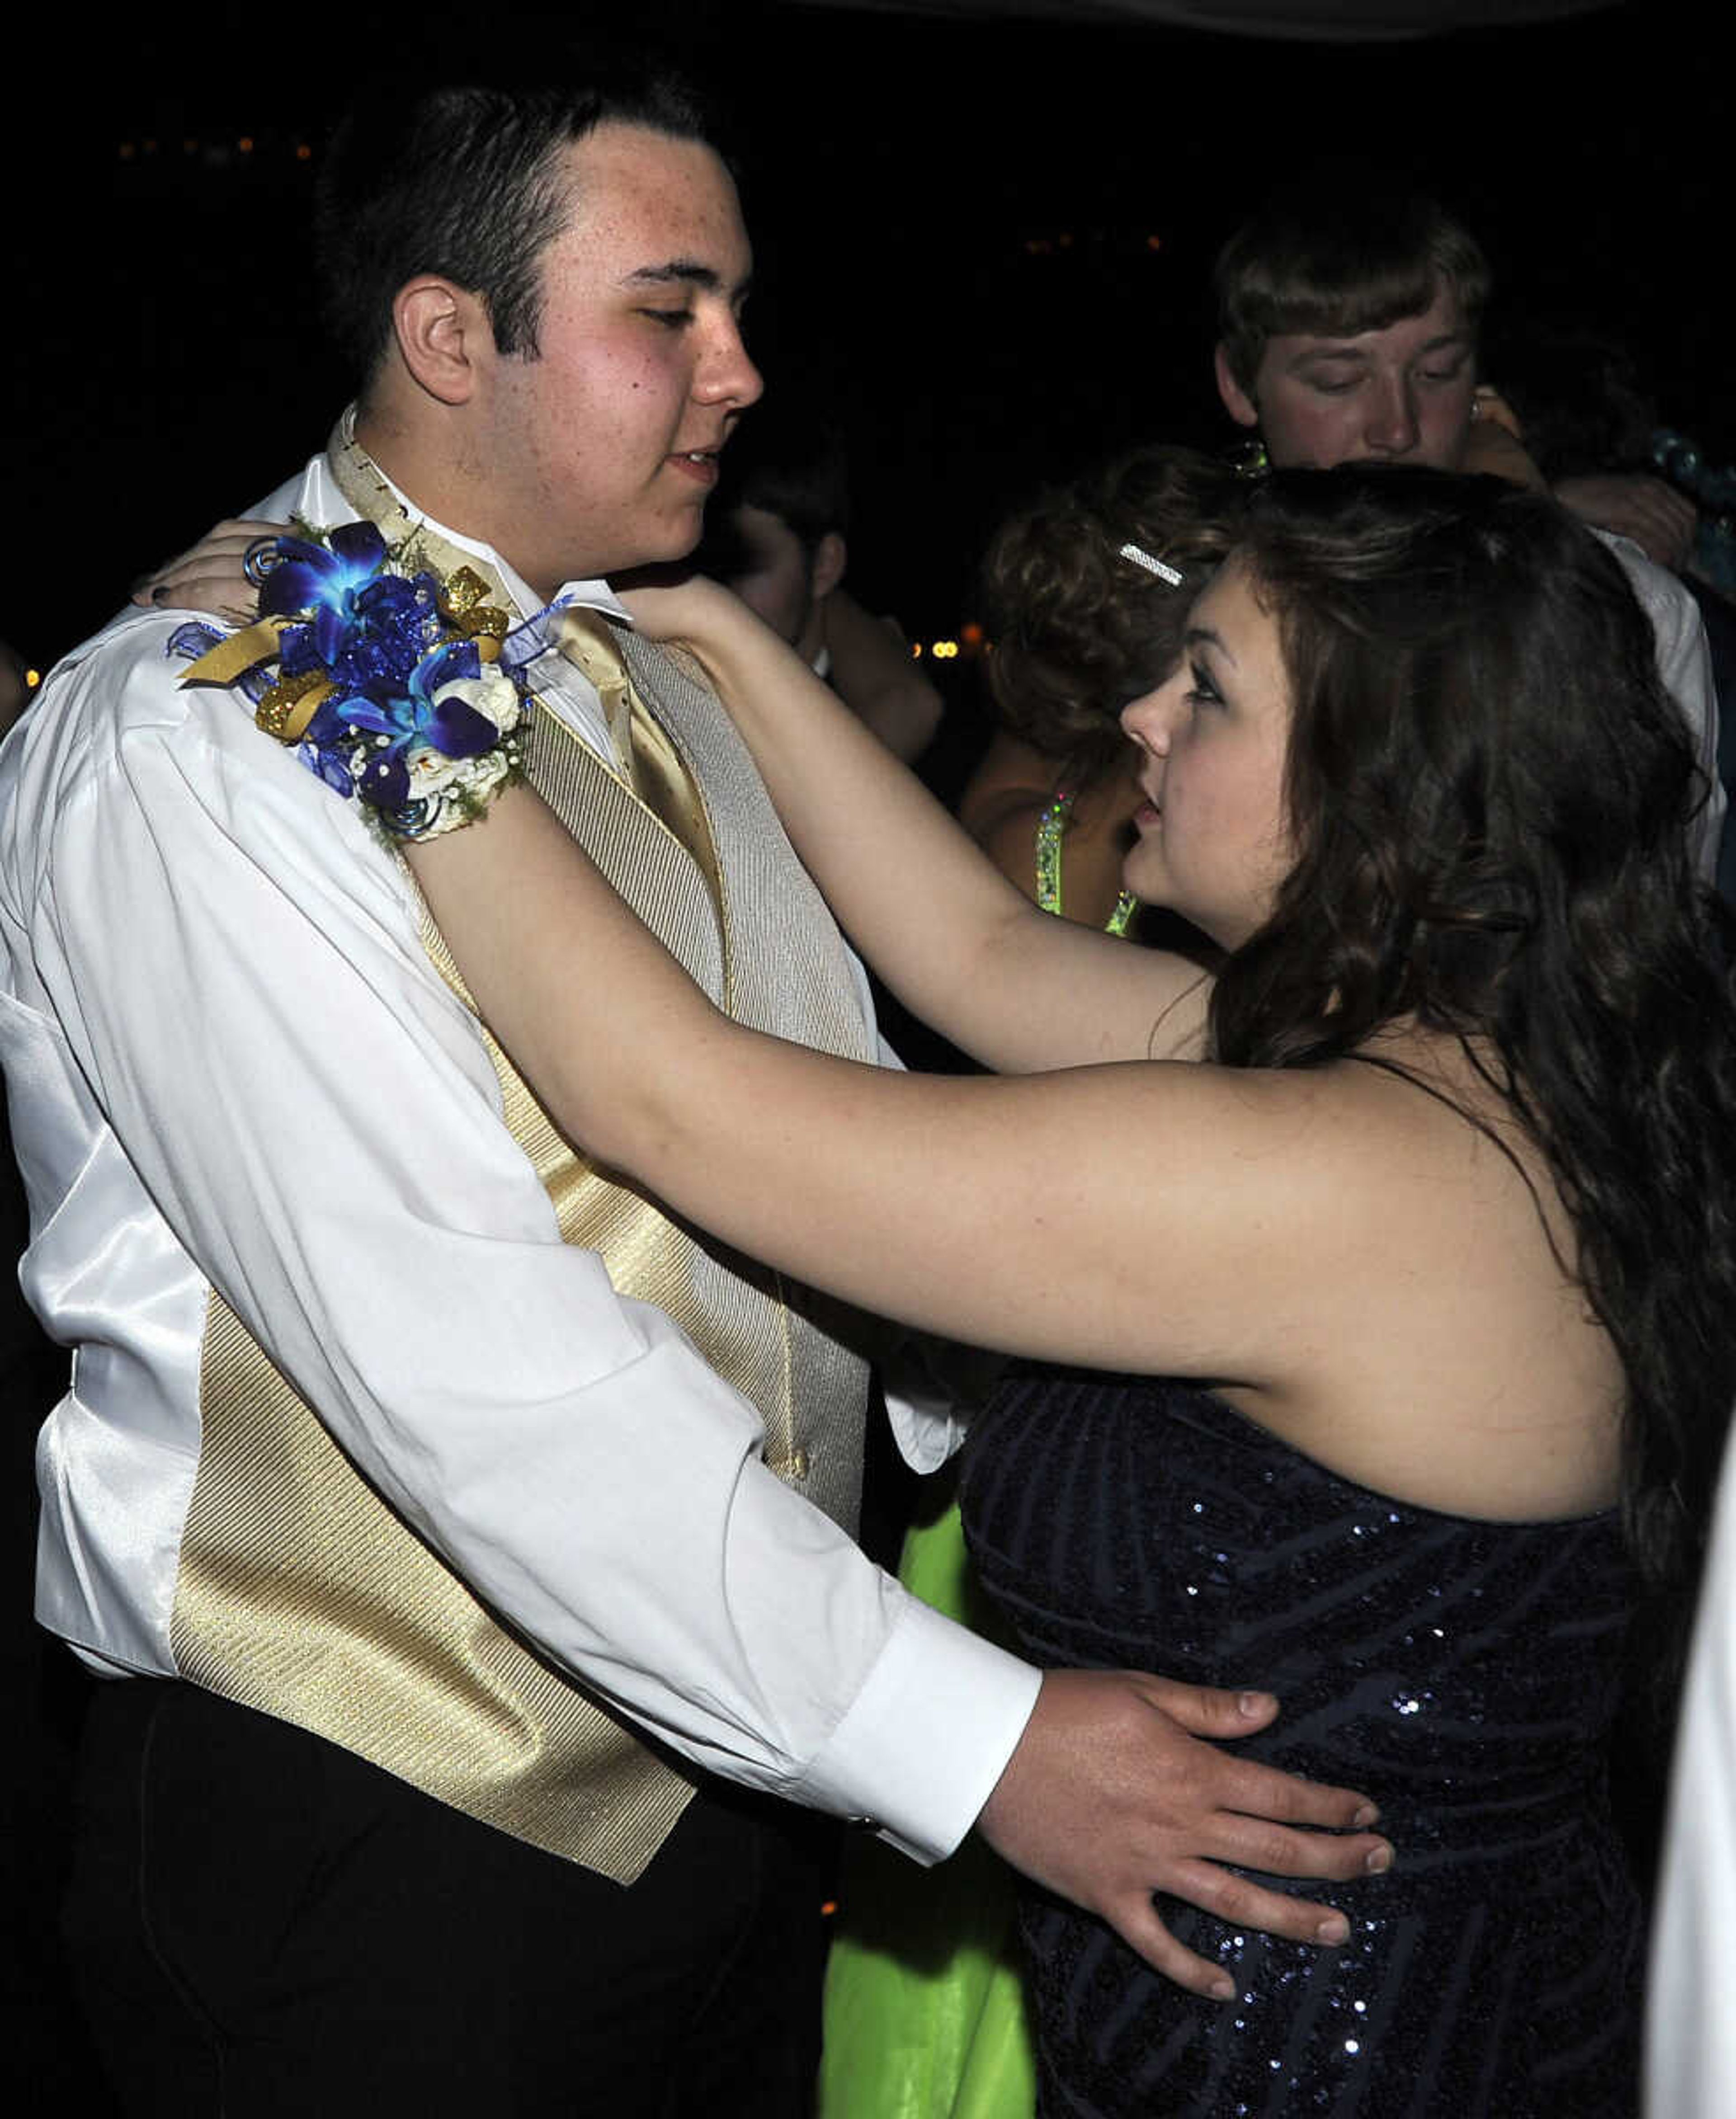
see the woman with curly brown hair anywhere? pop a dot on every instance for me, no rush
(1085, 598)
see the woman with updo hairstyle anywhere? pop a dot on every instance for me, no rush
(1375, 1296)
(1085, 598)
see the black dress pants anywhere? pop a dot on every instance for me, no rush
(260, 1924)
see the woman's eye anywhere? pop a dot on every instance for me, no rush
(670, 319)
(1202, 691)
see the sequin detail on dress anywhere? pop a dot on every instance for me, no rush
(1463, 1673)
(1052, 827)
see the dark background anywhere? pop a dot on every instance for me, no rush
(983, 246)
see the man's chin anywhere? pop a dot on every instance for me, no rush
(667, 553)
(681, 538)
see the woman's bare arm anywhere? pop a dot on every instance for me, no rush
(1019, 1213)
(960, 947)
(1311, 1241)
(957, 943)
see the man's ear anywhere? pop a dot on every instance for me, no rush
(826, 570)
(1236, 401)
(443, 336)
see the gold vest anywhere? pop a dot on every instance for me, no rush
(301, 1594)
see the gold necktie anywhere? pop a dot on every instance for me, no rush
(645, 757)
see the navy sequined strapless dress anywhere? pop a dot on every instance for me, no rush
(1463, 1674)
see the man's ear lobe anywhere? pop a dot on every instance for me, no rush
(831, 556)
(443, 336)
(1236, 401)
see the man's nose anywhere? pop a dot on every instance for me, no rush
(1393, 427)
(727, 375)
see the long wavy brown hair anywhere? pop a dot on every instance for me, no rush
(1491, 796)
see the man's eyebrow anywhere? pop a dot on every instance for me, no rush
(683, 272)
(1329, 350)
(1347, 348)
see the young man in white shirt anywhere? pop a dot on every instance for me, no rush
(434, 1565)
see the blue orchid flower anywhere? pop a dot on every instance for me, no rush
(325, 583)
(412, 721)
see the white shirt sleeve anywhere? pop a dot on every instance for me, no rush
(1690, 2028)
(236, 968)
(1685, 665)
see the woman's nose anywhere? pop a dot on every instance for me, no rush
(1150, 719)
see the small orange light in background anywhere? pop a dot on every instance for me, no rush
(1153, 243)
(970, 634)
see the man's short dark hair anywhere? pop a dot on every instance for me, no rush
(463, 180)
(1345, 251)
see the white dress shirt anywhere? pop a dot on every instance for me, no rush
(1685, 666)
(1690, 2028)
(231, 1062)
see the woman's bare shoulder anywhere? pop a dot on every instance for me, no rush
(1429, 1336)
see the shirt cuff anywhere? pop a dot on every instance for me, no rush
(928, 1736)
(931, 1388)
(925, 1422)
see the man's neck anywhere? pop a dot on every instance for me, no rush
(376, 489)
(414, 471)
(423, 481)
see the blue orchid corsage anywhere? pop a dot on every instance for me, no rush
(395, 685)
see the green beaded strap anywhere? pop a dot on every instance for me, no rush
(1051, 827)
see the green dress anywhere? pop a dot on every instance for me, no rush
(924, 2014)
(924, 2010)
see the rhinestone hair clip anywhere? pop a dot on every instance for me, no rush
(1141, 558)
